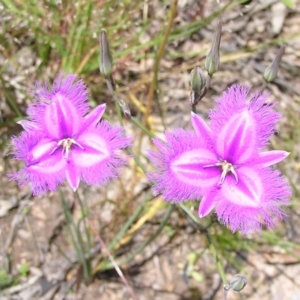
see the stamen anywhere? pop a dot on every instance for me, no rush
(226, 168)
(66, 144)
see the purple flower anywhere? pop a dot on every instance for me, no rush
(225, 164)
(63, 141)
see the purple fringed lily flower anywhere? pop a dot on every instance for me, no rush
(224, 164)
(63, 141)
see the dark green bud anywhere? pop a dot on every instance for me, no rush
(197, 80)
(238, 282)
(105, 55)
(272, 70)
(212, 60)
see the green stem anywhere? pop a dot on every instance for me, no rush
(209, 240)
(75, 238)
(142, 127)
(83, 209)
(129, 222)
(142, 247)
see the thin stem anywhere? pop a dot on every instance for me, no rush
(115, 265)
(138, 124)
(225, 291)
(159, 56)
(84, 221)
(194, 109)
(209, 240)
(263, 87)
(112, 89)
(76, 239)
(129, 222)
(150, 240)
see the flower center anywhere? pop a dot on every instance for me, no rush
(66, 145)
(226, 168)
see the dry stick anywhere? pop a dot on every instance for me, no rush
(108, 254)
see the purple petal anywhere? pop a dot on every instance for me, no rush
(268, 158)
(236, 141)
(42, 150)
(101, 158)
(256, 200)
(93, 118)
(28, 125)
(179, 174)
(236, 100)
(201, 128)
(206, 205)
(189, 168)
(49, 166)
(59, 110)
(73, 176)
(95, 150)
(61, 118)
(248, 191)
(44, 176)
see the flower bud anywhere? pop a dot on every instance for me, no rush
(272, 70)
(212, 60)
(197, 80)
(238, 282)
(125, 109)
(105, 55)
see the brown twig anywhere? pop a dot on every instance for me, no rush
(117, 268)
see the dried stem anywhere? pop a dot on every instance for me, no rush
(115, 265)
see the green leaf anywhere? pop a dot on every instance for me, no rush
(289, 3)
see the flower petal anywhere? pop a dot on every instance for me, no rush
(247, 192)
(95, 150)
(61, 119)
(101, 158)
(44, 176)
(268, 158)
(189, 168)
(236, 141)
(180, 174)
(254, 201)
(92, 118)
(236, 100)
(206, 205)
(28, 125)
(49, 165)
(41, 151)
(73, 176)
(201, 128)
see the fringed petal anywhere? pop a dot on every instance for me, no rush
(255, 201)
(101, 158)
(201, 128)
(72, 175)
(236, 141)
(269, 158)
(236, 100)
(180, 174)
(59, 110)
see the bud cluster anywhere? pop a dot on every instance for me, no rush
(198, 82)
